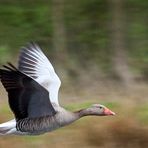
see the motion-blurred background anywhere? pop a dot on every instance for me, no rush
(99, 49)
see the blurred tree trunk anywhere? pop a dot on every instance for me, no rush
(117, 25)
(60, 39)
(59, 34)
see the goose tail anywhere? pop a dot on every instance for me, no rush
(8, 127)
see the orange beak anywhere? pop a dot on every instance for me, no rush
(108, 112)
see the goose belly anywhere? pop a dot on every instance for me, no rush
(36, 126)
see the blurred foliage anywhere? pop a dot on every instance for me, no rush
(72, 107)
(5, 54)
(87, 30)
(137, 33)
(143, 113)
(88, 41)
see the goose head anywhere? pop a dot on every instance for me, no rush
(97, 110)
(100, 110)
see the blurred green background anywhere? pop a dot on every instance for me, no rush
(99, 49)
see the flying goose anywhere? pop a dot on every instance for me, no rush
(33, 96)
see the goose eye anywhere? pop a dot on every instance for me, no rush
(100, 107)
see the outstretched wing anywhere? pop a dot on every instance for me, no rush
(27, 98)
(35, 64)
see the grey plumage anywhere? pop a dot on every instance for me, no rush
(33, 96)
(36, 125)
(26, 97)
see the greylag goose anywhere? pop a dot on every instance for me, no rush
(33, 96)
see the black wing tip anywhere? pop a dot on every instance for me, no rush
(32, 44)
(10, 67)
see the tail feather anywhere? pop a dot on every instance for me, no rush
(8, 127)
